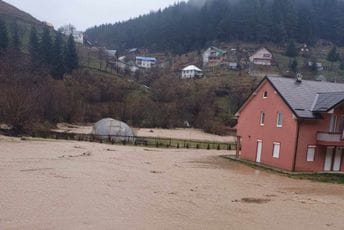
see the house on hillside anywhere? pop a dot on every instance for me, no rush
(261, 57)
(124, 64)
(294, 125)
(318, 65)
(78, 37)
(213, 56)
(191, 71)
(111, 53)
(146, 62)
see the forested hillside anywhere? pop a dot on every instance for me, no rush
(41, 85)
(190, 26)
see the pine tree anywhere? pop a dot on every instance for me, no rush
(58, 68)
(291, 49)
(71, 56)
(45, 47)
(34, 48)
(293, 66)
(3, 37)
(341, 65)
(333, 55)
(15, 40)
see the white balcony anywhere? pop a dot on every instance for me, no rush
(326, 138)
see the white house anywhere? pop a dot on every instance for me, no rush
(191, 71)
(78, 37)
(145, 62)
(261, 57)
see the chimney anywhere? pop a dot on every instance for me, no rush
(299, 78)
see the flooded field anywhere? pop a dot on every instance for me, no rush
(75, 185)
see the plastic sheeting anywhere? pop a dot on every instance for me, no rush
(114, 129)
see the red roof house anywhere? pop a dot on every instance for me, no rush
(294, 125)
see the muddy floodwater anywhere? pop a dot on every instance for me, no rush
(75, 185)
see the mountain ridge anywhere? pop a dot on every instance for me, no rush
(12, 13)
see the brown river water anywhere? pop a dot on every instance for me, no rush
(75, 185)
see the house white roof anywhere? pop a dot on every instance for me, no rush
(192, 67)
(262, 53)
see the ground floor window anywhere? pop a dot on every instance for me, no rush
(276, 150)
(310, 153)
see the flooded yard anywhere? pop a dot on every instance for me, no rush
(76, 185)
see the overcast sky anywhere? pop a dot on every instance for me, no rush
(87, 13)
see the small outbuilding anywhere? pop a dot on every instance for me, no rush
(191, 71)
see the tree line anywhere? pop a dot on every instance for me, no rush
(47, 49)
(190, 26)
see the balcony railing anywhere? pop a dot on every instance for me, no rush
(328, 138)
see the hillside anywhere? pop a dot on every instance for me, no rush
(11, 13)
(194, 25)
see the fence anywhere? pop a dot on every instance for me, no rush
(139, 141)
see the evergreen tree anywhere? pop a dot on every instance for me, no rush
(333, 55)
(71, 56)
(3, 37)
(341, 65)
(58, 68)
(293, 66)
(15, 40)
(291, 49)
(45, 47)
(34, 48)
(314, 67)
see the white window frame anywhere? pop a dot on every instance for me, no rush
(279, 122)
(310, 156)
(265, 94)
(275, 153)
(262, 119)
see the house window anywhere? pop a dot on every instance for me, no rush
(262, 118)
(279, 119)
(265, 94)
(310, 153)
(276, 150)
(333, 123)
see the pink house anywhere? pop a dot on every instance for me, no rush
(294, 125)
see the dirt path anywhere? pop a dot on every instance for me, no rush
(71, 185)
